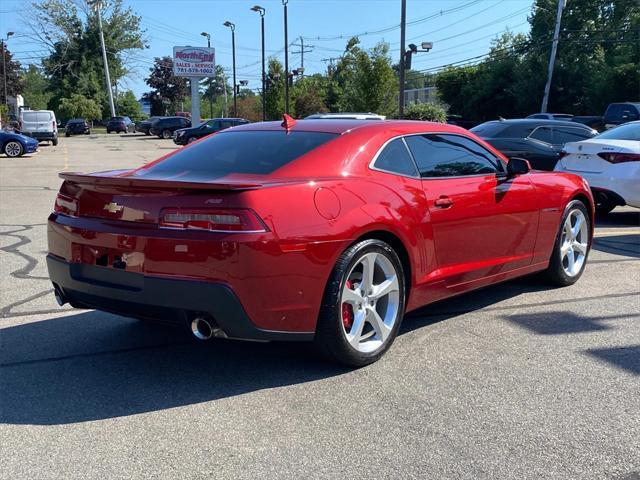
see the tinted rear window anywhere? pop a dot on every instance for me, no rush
(252, 152)
(117, 119)
(489, 129)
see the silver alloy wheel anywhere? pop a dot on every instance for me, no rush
(191, 139)
(574, 243)
(372, 292)
(166, 134)
(13, 149)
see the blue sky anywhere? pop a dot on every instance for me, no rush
(460, 29)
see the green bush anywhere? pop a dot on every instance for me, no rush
(429, 112)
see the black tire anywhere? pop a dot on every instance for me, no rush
(88, 132)
(147, 133)
(191, 139)
(67, 134)
(54, 142)
(108, 132)
(13, 149)
(330, 338)
(555, 273)
(165, 134)
(604, 207)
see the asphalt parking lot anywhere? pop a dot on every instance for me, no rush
(518, 381)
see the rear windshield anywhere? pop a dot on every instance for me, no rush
(117, 119)
(252, 152)
(489, 129)
(36, 116)
(630, 131)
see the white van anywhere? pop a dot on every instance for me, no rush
(39, 124)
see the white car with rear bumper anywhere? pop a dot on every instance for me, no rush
(610, 162)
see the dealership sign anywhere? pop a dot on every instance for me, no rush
(193, 62)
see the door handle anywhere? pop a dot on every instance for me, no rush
(443, 202)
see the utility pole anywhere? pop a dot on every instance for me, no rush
(211, 79)
(552, 59)
(97, 5)
(302, 51)
(232, 26)
(403, 27)
(286, 58)
(261, 11)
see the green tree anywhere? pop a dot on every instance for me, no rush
(78, 106)
(430, 112)
(36, 91)
(127, 105)
(309, 95)
(169, 90)
(14, 80)
(365, 80)
(275, 90)
(69, 29)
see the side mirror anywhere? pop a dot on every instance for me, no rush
(518, 166)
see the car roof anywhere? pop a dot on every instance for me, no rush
(539, 121)
(343, 126)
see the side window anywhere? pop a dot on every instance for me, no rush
(444, 155)
(542, 134)
(562, 135)
(227, 124)
(395, 158)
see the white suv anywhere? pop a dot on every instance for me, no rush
(39, 124)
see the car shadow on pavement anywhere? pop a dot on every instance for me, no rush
(619, 219)
(625, 245)
(93, 366)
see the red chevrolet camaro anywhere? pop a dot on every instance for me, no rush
(323, 230)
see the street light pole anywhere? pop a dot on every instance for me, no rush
(205, 34)
(286, 58)
(403, 26)
(552, 58)
(233, 53)
(261, 11)
(97, 5)
(4, 69)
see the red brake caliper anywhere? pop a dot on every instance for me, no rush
(347, 311)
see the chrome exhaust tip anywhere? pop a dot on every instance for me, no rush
(59, 295)
(202, 328)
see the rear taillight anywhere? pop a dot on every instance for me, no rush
(226, 220)
(66, 205)
(619, 157)
(54, 125)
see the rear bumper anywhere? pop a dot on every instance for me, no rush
(156, 298)
(41, 135)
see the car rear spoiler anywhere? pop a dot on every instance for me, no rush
(133, 182)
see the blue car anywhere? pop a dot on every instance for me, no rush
(15, 144)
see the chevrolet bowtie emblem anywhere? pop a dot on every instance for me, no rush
(113, 207)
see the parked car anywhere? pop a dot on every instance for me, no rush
(77, 126)
(14, 144)
(453, 119)
(538, 141)
(143, 126)
(345, 116)
(188, 135)
(313, 230)
(120, 125)
(40, 124)
(164, 127)
(551, 116)
(619, 113)
(610, 163)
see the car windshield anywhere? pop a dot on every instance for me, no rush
(629, 131)
(251, 152)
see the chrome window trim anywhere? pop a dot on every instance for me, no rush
(384, 145)
(415, 164)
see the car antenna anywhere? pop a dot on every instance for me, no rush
(288, 122)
